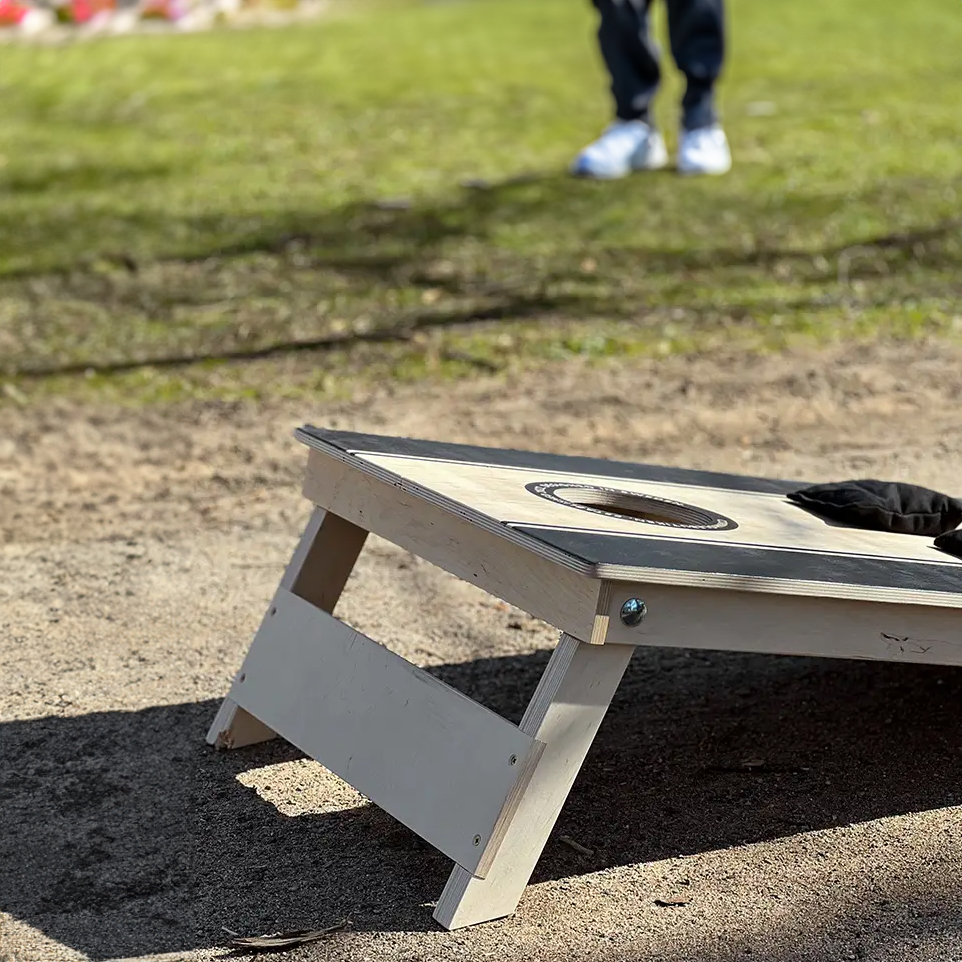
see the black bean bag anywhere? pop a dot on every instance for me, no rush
(883, 506)
(950, 543)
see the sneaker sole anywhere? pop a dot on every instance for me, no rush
(658, 162)
(651, 165)
(703, 171)
(584, 175)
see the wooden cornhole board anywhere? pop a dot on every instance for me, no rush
(710, 561)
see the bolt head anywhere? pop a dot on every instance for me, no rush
(633, 612)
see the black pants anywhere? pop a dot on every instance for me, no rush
(696, 31)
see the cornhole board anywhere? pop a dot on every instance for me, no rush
(615, 555)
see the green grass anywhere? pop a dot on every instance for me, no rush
(279, 211)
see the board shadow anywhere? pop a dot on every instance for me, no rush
(124, 834)
(703, 750)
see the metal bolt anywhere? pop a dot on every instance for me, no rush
(477, 839)
(513, 760)
(633, 612)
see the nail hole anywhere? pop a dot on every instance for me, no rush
(273, 612)
(513, 760)
(477, 839)
(243, 675)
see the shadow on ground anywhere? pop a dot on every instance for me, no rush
(123, 834)
(382, 272)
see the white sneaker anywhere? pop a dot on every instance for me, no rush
(626, 145)
(704, 151)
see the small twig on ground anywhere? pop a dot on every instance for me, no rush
(577, 846)
(285, 940)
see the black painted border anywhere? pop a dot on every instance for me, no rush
(357, 443)
(611, 551)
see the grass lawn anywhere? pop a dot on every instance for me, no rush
(383, 192)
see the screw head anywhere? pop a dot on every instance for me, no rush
(513, 760)
(477, 839)
(633, 612)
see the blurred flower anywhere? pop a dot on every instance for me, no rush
(82, 11)
(12, 13)
(98, 17)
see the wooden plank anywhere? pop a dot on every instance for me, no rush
(504, 568)
(319, 568)
(784, 625)
(565, 712)
(235, 728)
(446, 767)
(322, 564)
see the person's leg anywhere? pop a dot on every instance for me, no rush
(631, 142)
(630, 56)
(696, 29)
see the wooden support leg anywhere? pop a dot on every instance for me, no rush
(565, 713)
(318, 570)
(234, 728)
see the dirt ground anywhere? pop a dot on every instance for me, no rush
(137, 550)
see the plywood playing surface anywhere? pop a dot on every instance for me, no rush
(738, 527)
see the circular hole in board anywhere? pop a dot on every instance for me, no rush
(631, 506)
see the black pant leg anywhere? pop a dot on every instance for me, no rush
(696, 29)
(630, 55)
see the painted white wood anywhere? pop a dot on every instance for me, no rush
(235, 728)
(784, 625)
(565, 713)
(501, 566)
(303, 548)
(324, 559)
(319, 568)
(446, 767)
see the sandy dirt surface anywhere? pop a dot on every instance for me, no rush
(138, 549)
